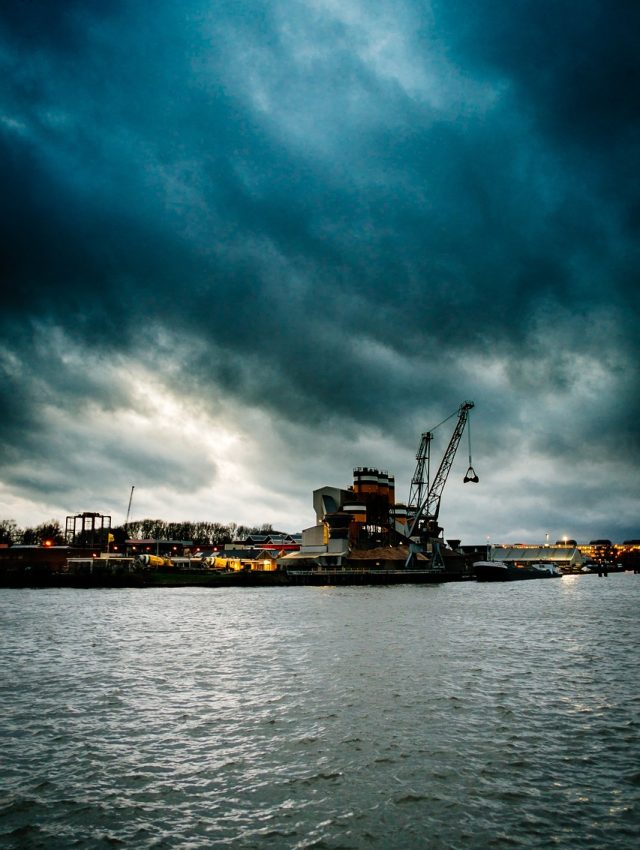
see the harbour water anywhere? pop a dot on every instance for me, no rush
(434, 716)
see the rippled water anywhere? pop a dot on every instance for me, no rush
(452, 716)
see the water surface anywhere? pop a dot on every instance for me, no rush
(452, 716)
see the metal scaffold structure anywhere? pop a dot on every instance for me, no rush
(87, 529)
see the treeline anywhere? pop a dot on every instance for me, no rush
(51, 532)
(200, 533)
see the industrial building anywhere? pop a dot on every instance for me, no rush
(363, 527)
(361, 516)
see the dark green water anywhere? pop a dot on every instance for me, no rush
(452, 716)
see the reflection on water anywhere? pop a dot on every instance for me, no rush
(452, 716)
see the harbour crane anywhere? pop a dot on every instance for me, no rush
(126, 522)
(424, 499)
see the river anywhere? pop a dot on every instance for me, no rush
(444, 716)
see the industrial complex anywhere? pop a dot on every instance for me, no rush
(361, 534)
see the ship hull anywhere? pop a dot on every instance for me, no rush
(487, 571)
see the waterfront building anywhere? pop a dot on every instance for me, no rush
(568, 558)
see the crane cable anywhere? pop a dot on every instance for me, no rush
(451, 415)
(470, 475)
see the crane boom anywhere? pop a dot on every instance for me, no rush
(126, 522)
(430, 506)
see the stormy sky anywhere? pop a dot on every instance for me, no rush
(248, 246)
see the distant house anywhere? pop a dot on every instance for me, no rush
(267, 560)
(276, 542)
(246, 559)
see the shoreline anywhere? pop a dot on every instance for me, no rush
(276, 578)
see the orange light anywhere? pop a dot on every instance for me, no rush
(47, 542)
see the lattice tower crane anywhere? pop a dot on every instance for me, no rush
(424, 509)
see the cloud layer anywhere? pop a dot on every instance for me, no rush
(252, 245)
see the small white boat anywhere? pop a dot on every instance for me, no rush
(500, 571)
(548, 568)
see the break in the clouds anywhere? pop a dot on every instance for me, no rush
(250, 245)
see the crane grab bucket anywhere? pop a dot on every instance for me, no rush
(470, 475)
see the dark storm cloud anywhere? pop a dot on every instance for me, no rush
(574, 74)
(51, 23)
(576, 67)
(332, 227)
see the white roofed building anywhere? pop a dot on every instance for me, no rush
(565, 557)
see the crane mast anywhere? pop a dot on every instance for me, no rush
(429, 508)
(126, 522)
(420, 486)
